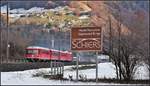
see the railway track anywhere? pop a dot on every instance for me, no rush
(19, 65)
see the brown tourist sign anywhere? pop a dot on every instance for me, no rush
(86, 39)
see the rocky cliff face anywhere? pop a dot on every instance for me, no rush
(132, 16)
(120, 12)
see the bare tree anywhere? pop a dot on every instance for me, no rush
(125, 51)
(112, 54)
(126, 57)
(130, 57)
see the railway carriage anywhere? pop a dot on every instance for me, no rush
(36, 53)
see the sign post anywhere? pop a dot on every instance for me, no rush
(86, 39)
(77, 67)
(96, 66)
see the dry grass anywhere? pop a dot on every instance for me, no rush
(31, 20)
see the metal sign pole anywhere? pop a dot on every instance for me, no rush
(77, 66)
(7, 49)
(96, 66)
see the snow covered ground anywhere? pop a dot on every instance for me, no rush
(106, 70)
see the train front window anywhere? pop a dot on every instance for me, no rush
(32, 52)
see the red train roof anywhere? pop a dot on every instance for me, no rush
(37, 47)
(44, 48)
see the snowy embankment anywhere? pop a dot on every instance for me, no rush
(106, 70)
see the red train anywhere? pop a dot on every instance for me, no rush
(36, 53)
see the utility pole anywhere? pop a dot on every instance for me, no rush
(119, 44)
(149, 49)
(1, 43)
(1, 36)
(53, 40)
(7, 49)
(59, 41)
